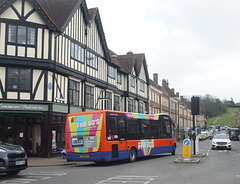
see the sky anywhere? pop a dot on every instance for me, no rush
(195, 45)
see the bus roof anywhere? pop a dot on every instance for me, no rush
(103, 111)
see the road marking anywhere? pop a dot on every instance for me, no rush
(208, 150)
(32, 177)
(129, 179)
(46, 174)
(19, 180)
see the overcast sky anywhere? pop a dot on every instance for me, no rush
(195, 45)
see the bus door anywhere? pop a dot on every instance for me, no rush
(122, 137)
(166, 130)
(116, 135)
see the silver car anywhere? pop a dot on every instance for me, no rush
(13, 158)
(221, 141)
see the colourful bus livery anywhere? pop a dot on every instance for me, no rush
(104, 136)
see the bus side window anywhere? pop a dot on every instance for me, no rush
(121, 129)
(132, 129)
(162, 129)
(112, 133)
(154, 129)
(168, 129)
(144, 129)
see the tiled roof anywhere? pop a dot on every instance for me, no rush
(127, 62)
(152, 83)
(58, 11)
(92, 12)
(2, 1)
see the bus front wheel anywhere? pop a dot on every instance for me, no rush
(132, 155)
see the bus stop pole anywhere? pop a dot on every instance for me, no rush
(194, 136)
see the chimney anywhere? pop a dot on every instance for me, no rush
(167, 84)
(155, 78)
(177, 94)
(129, 52)
(164, 83)
(181, 97)
(173, 90)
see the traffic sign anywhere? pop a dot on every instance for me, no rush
(186, 142)
(186, 148)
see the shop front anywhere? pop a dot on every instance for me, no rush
(40, 129)
(22, 129)
(23, 124)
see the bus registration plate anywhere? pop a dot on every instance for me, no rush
(84, 156)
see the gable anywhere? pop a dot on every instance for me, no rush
(96, 26)
(142, 74)
(53, 13)
(60, 11)
(133, 72)
(22, 11)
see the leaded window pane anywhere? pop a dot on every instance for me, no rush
(31, 36)
(22, 35)
(19, 79)
(12, 33)
(13, 75)
(24, 79)
(72, 50)
(89, 96)
(74, 89)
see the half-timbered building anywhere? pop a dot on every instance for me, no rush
(54, 60)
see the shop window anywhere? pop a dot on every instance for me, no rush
(58, 133)
(34, 138)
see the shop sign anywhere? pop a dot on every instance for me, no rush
(29, 107)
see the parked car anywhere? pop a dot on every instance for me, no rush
(205, 135)
(211, 136)
(221, 141)
(200, 137)
(13, 158)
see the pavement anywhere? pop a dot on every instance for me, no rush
(58, 160)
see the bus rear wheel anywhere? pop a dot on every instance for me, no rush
(132, 155)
